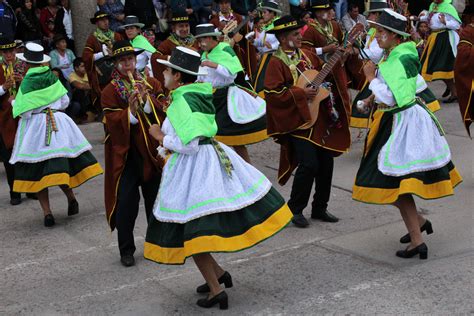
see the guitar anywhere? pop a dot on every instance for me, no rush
(313, 78)
(231, 30)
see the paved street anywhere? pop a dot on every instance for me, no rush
(344, 268)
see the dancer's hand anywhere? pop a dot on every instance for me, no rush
(442, 18)
(210, 64)
(369, 70)
(156, 133)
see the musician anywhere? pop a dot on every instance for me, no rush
(243, 121)
(244, 49)
(133, 28)
(440, 51)
(130, 152)
(180, 36)
(265, 41)
(463, 68)
(326, 36)
(98, 46)
(11, 74)
(309, 148)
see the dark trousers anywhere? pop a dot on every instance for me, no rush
(315, 164)
(128, 200)
(9, 169)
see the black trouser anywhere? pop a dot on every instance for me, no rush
(128, 200)
(9, 169)
(315, 164)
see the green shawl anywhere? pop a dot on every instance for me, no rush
(192, 112)
(39, 88)
(445, 7)
(400, 71)
(141, 42)
(225, 56)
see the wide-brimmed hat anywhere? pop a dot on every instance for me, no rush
(185, 60)
(131, 20)
(34, 54)
(376, 6)
(319, 4)
(99, 15)
(203, 30)
(270, 5)
(7, 43)
(393, 21)
(122, 48)
(179, 17)
(285, 24)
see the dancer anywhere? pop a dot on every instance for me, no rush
(463, 68)
(210, 199)
(310, 148)
(49, 148)
(396, 165)
(264, 41)
(240, 113)
(130, 107)
(437, 60)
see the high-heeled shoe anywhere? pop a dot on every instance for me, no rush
(225, 279)
(426, 227)
(220, 299)
(421, 249)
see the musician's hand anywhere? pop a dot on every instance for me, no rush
(268, 45)
(330, 48)
(133, 102)
(442, 18)
(18, 77)
(156, 133)
(8, 83)
(369, 70)
(208, 63)
(310, 92)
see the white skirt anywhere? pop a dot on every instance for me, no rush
(415, 144)
(30, 140)
(196, 185)
(244, 108)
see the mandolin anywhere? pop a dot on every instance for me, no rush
(314, 78)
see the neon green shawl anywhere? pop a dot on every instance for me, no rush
(225, 56)
(40, 87)
(141, 42)
(192, 112)
(445, 7)
(400, 71)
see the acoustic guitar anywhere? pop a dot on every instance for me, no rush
(232, 29)
(314, 78)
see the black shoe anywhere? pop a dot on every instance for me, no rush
(451, 99)
(32, 196)
(220, 298)
(446, 92)
(73, 208)
(300, 221)
(49, 220)
(422, 250)
(127, 260)
(15, 198)
(426, 227)
(325, 216)
(225, 279)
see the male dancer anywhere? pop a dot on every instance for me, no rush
(130, 107)
(310, 148)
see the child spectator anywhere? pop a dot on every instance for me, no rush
(81, 97)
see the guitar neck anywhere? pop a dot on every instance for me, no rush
(335, 58)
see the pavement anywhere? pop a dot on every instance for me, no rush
(344, 268)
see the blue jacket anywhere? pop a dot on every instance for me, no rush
(7, 21)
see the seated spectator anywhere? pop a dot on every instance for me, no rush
(48, 42)
(81, 91)
(58, 73)
(28, 28)
(62, 57)
(47, 14)
(7, 20)
(115, 9)
(353, 17)
(63, 24)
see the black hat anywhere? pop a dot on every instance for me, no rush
(376, 6)
(285, 24)
(269, 5)
(203, 30)
(185, 60)
(122, 48)
(131, 20)
(319, 4)
(7, 43)
(34, 54)
(179, 17)
(393, 21)
(99, 15)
